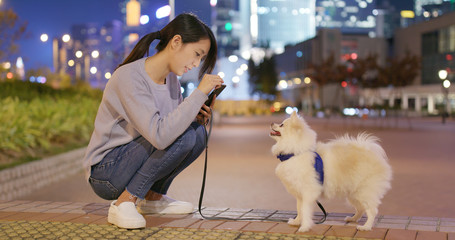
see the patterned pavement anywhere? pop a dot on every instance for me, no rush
(72, 220)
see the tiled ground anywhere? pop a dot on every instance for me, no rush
(43, 219)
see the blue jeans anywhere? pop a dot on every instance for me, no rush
(139, 167)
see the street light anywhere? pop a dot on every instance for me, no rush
(445, 89)
(79, 54)
(95, 54)
(44, 37)
(66, 38)
(442, 74)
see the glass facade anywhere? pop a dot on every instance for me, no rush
(438, 52)
(284, 22)
(350, 16)
(225, 22)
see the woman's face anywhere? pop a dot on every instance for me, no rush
(190, 55)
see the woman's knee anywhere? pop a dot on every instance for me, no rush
(201, 138)
(187, 140)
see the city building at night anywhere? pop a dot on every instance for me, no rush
(279, 23)
(226, 27)
(350, 16)
(426, 9)
(432, 41)
(90, 53)
(294, 64)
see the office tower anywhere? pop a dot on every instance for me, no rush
(279, 23)
(226, 26)
(350, 16)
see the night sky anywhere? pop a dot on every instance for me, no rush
(55, 17)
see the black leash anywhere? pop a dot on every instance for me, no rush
(201, 196)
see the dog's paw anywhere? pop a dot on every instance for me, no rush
(364, 228)
(304, 228)
(293, 222)
(350, 219)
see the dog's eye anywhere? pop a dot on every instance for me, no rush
(281, 125)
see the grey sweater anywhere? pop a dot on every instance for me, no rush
(134, 105)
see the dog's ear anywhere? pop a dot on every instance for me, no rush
(294, 115)
(296, 120)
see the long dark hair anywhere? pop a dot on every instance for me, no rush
(190, 28)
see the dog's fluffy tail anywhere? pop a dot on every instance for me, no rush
(368, 141)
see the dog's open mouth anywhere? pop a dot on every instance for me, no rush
(275, 133)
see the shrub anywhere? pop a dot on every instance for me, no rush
(36, 118)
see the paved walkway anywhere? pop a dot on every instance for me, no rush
(240, 178)
(72, 220)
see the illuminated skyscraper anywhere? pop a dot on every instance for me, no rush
(280, 23)
(350, 16)
(418, 5)
(226, 26)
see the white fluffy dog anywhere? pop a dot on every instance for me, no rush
(353, 168)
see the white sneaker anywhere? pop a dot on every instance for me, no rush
(125, 215)
(165, 205)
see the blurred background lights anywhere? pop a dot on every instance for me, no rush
(228, 26)
(283, 84)
(190, 86)
(344, 84)
(6, 65)
(44, 37)
(144, 19)
(354, 56)
(95, 54)
(290, 110)
(236, 79)
(442, 74)
(233, 58)
(244, 67)
(221, 74)
(66, 38)
(307, 80)
(79, 54)
(239, 71)
(446, 83)
(42, 79)
(182, 89)
(107, 75)
(93, 70)
(407, 14)
(213, 3)
(71, 63)
(276, 106)
(163, 12)
(246, 55)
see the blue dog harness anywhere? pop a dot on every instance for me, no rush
(318, 164)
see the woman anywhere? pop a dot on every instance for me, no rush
(145, 133)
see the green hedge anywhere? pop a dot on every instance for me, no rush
(36, 119)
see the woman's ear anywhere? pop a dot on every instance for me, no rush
(176, 42)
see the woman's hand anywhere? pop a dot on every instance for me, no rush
(209, 82)
(205, 113)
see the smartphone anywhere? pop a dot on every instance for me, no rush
(216, 92)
